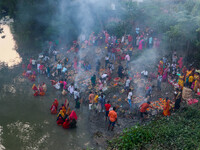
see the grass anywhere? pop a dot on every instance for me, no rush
(180, 131)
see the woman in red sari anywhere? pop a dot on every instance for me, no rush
(53, 109)
(164, 77)
(180, 62)
(140, 44)
(73, 115)
(66, 124)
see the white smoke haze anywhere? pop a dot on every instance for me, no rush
(87, 16)
(83, 14)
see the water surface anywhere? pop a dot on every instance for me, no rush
(25, 120)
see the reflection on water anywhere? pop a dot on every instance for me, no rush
(26, 132)
(8, 54)
(1, 132)
(9, 88)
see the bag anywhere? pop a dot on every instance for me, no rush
(64, 92)
(90, 106)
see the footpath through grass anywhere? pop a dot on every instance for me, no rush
(179, 131)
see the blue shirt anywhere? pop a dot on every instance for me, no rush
(150, 40)
(59, 66)
(64, 69)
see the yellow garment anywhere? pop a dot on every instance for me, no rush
(62, 114)
(68, 111)
(64, 109)
(180, 81)
(166, 108)
(195, 86)
(191, 79)
(196, 76)
(188, 73)
(33, 86)
(96, 99)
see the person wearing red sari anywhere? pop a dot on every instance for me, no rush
(166, 107)
(56, 103)
(140, 44)
(35, 89)
(42, 93)
(180, 62)
(60, 121)
(66, 124)
(29, 67)
(164, 77)
(73, 115)
(53, 109)
(106, 37)
(130, 38)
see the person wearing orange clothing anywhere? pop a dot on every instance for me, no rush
(112, 118)
(91, 100)
(166, 108)
(143, 109)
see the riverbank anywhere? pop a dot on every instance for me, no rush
(163, 132)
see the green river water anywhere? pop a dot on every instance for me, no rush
(25, 120)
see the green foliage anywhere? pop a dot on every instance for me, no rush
(180, 131)
(37, 21)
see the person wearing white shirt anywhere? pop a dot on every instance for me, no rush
(145, 73)
(130, 94)
(33, 63)
(127, 58)
(76, 94)
(38, 67)
(71, 89)
(127, 84)
(106, 61)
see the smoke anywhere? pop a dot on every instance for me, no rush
(66, 20)
(87, 17)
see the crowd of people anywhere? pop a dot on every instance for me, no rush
(106, 63)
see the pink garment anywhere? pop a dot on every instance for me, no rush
(140, 44)
(127, 57)
(29, 67)
(180, 62)
(192, 101)
(157, 43)
(86, 42)
(65, 84)
(106, 35)
(130, 38)
(75, 64)
(154, 43)
(73, 115)
(164, 77)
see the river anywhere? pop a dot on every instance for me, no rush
(25, 120)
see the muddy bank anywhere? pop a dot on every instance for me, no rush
(126, 117)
